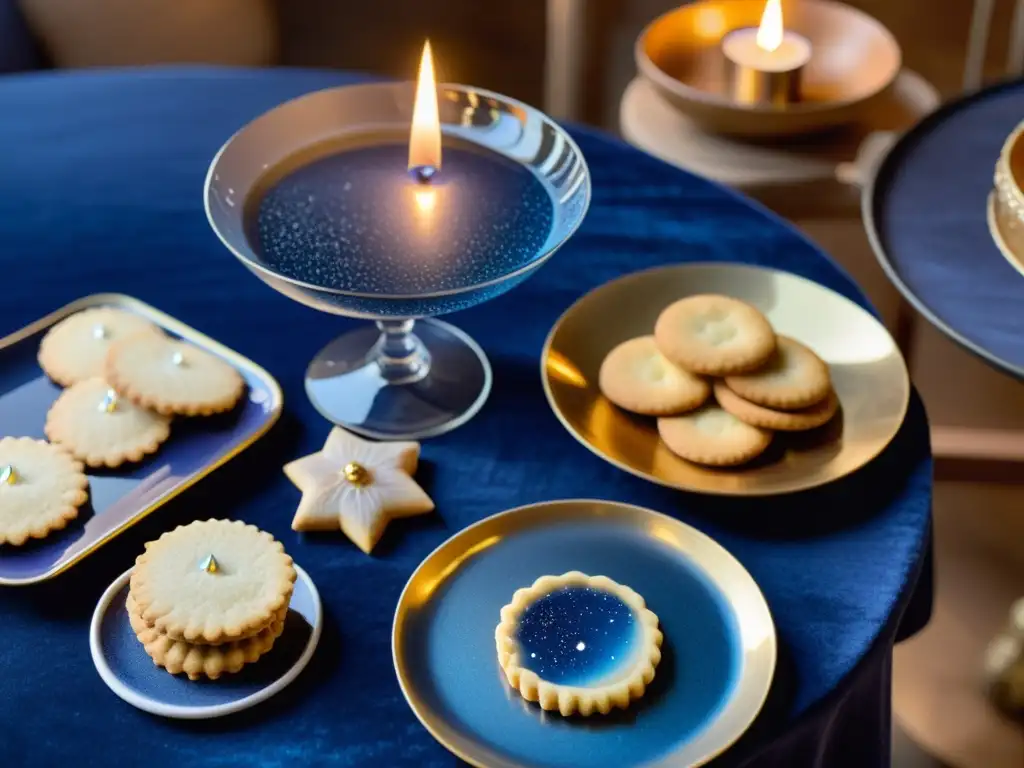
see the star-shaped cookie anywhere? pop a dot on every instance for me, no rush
(357, 486)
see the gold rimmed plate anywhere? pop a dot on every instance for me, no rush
(868, 372)
(719, 648)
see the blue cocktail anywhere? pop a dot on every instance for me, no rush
(316, 198)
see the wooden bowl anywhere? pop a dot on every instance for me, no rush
(854, 60)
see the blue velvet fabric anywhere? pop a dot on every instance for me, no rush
(930, 215)
(100, 190)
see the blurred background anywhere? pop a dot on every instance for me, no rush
(575, 58)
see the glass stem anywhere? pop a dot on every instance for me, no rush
(400, 354)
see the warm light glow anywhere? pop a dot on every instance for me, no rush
(426, 199)
(709, 22)
(425, 138)
(428, 585)
(562, 369)
(769, 34)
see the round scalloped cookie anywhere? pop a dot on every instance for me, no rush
(41, 489)
(713, 437)
(75, 349)
(101, 428)
(714, 335)
(173, 377)
(785, 421)
(180, 598)
(637, 377)
(793, 378)
(542, 644)
(197, 660)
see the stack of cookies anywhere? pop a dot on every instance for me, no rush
(210, 597)
(720, 381)
(125, 379)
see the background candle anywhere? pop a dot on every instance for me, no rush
(764, 64)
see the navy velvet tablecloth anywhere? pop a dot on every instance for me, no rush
(101, 176)
(928, 216)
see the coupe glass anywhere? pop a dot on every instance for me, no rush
(409, 376)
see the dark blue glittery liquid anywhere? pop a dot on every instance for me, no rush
(577, 636)
(356, 221)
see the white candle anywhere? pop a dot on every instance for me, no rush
(741, 48)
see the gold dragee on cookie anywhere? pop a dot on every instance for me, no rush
(41, 489)
(179, 594)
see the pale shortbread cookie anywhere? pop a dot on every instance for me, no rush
(794, 377)
(714, 335)
(178, 593)
(173, 377)
(613, 685)
(103, 429)
(41, 489)
(713, 436)
(784, 421)
(75, 348)
(275, 619)
(196, 660)
(637, 377)
(357, 486)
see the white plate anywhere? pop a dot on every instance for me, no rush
(130, 673)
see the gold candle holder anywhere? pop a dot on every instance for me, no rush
(852, 61)
(763, 65)
(757, 79)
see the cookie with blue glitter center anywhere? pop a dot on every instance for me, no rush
(578, 644)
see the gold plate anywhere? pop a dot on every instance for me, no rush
(713, 615)
(868, 373)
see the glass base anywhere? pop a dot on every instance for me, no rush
(440, 384)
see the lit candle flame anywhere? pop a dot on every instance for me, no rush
(425, 137)
(769, 34)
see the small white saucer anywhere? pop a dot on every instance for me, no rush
(130, 673)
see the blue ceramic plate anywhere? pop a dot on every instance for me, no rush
(119, 498)
(129, 672)
(718, 653)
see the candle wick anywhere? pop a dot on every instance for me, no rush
(423, 173)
